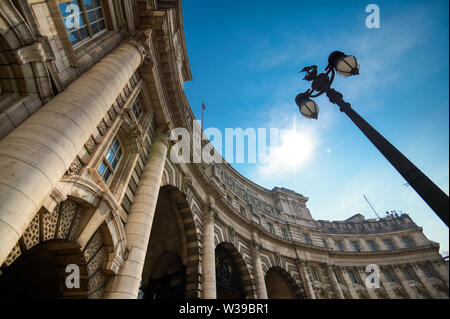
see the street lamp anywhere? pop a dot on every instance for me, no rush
(345, 66)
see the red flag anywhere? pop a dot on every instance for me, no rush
(203, 106)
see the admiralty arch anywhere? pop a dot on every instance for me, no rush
(85, 179)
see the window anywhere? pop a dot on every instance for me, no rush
(388, 275)
(137, 109)
(372, 245)
(389, 244)
(339, 245)
(338, 278)
(270, 227)
(325, 244)
(408, 274)
(284, 233)
(408, 242)
(315, 274)
(427, 271)
(356, 246)
(242, 210)
(353, 277)
(229, 199)
(82, 19)
(110, 160)
(307, 240)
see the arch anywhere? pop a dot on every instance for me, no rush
(246, 281)
(51, 237)
(281, 285)
(173, 234)
(39, 272)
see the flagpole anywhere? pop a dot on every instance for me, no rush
(203, 108)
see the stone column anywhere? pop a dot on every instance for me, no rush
(401, 276)
(388, 285)
(349, 283)
(441, 267)
(125, 285)
(363, 275)
(398, 242)
(305, 278)
(209, 289)
(426, 282)
(260, 283)
(334, 284)
(35, 156)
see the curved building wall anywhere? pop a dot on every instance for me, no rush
(112, 98)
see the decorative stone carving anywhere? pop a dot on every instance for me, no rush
(142, 42)
(30, 53)
(75, 167)
(277, 257)
(187, 183)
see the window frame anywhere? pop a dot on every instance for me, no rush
(134, 111)
(408, 242)
(91, 35)
(427, 271)
(339, 245)
(372, 247)
(408, 274)
(337, 276)
(307, 239)
(389, 276)
(391, 243)
(315, 274)
(353, 277)
(356, 246)
(104, 160)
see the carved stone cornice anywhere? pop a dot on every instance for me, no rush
(30, 53)
(162, 134)
(141, 40)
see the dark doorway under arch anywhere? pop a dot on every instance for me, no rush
(170, 267)
(280, 285)
(168, 278)
(40, 272)
(228, 277)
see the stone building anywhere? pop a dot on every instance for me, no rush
(89, 90)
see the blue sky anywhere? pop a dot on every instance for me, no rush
(245, 57)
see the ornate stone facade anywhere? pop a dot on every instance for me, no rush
(85, 179)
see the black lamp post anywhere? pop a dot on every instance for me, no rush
(346, 65)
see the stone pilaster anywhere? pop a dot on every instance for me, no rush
(404, 282)
(426, 282)
(261, 290)
(388, 285)
(363, 276)
(301, 264)
(334, 284)
(139, 223)
(441, 267)
(349, 283)
(209, 290)
(35, 156)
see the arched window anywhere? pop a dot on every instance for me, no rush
(111, 159)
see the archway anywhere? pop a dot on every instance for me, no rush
(36, 268)
(232, 276)
(39, 273)
(280, 285)
(171, 264)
